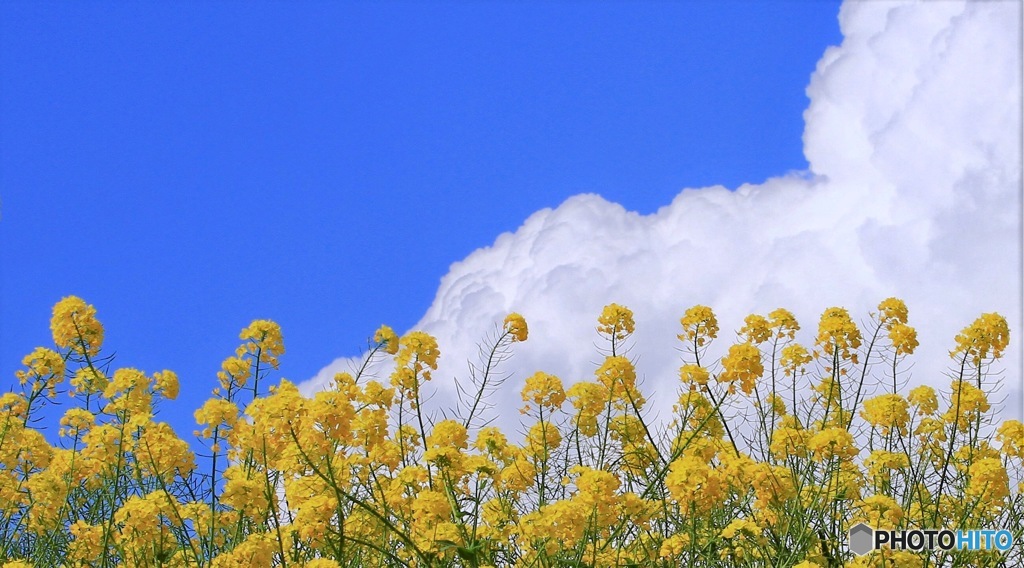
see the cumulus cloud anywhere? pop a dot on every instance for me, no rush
(913, 140)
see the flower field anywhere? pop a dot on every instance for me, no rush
(773, 452)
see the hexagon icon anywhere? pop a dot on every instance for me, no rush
(861, 539)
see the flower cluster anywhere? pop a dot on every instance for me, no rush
(752, 469)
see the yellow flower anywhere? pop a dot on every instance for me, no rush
(554, 525)
(330, 421)
(375, 393)
(616, 322)
(103, 444)
(518, 475)
(1011, 438)
(967, 403)
(125, 380)
(674, 546)
(904, 338)
(880, 511)
(258, 549)
(699, 414)
(89, 380)
(901, 558)
(773, 485)
(699, 325)
(490, 439)
(756, 329)
(618, 376)
(76, 421)
(888, 412)
(313, 504)
(234, 372)
(930, 431)
(693, 483)
(345, 385)
(515, 325)
(881, 463)
(543, 390)
(596, 493)
(924, 398)
(988, 480)
(263, 339)
(542, 439)
(370, 427)
(431, 507)
(87, 544)
(893, 311)
(448, 434)
(848, 481)
(965, 456)
(833, 442)
(627, 428)
(776, 404)
(589, 399)
(989, 334)
(74, 325)
(129, 392)
(794, 359)
(216, 413)
(743, 363)
(740, 526)
(838, 333)
(163, 454)
(166, 383)
(386, 336)
(44, 365)
(13, 404)
(140, 521)
(417, 352)
(784, 324)
(244, 491)
(693, 374)
(321, 563)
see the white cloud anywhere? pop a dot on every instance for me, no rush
(913, 140)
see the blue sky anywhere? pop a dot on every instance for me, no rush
(189, 167)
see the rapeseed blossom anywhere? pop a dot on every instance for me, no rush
(263, 338)
(743, 364)
(367, 472)
(989, 335)
(966, 404)
(45, 368)
(699, 325)
(924, 399)
(616, 322)
(618, 376)
(515, 325)
(833, 443)
(589, 400)
(1011, 438)
(544, 391)
(879, 511)
(839, 334)
(783, 323)
(756, 329)
(386, 337)
(74, 325)
(887, 412)
(693, 375)
(794, 358)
